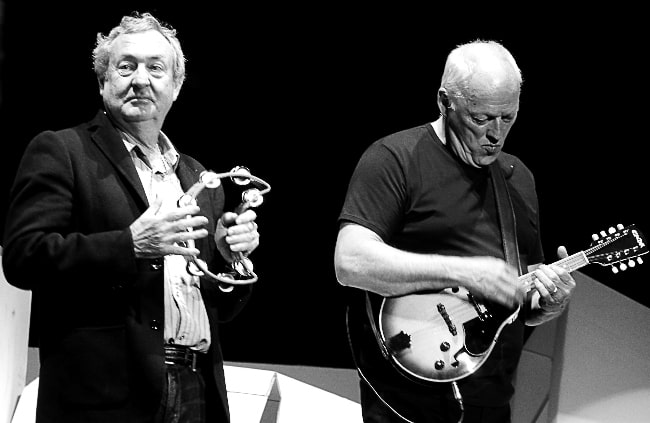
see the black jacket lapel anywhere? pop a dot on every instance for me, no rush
(109, 141)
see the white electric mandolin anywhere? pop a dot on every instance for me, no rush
(444, 336)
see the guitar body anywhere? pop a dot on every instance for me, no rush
(440, 336)
(444, 336)
(423, 339)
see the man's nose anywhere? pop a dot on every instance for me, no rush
(141, 76)
(494, 131)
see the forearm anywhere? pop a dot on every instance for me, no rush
(363, 260)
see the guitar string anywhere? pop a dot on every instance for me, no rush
(572, 262)
(461, 311)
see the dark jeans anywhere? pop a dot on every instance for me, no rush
(183, 399)
(419, 409)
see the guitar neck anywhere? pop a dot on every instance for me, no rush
(570, 263)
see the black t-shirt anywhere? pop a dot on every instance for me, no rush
(412, 191)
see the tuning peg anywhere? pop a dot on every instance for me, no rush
(623, 266)
(603, 234)
(631, 263)
(594, 237)
(639, 260)
(614, 269)
(619, 227)
(611, 230)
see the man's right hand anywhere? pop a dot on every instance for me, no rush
(493, 279)
(157, 234)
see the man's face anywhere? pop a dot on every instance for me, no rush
(139, 84)
(478, 124)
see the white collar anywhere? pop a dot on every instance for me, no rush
(439, 128)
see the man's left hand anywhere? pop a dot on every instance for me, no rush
(554, 284)
(237, 233)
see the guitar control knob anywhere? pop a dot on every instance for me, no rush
(439, 365)
(445, 346)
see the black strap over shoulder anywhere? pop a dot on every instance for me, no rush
(506, 214)
(507, 221)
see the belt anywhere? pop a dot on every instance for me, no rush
(180, 355)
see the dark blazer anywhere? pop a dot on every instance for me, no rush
(101, 310)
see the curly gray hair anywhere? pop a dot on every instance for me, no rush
(134, 24)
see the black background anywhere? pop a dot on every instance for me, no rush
(297, 94)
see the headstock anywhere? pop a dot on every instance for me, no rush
(619, 248)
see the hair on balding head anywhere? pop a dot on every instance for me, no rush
(470, 59)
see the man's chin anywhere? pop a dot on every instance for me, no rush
(486, 160)
(137, 115)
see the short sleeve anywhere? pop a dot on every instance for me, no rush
(376, 193)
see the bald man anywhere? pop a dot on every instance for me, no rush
(421, 216)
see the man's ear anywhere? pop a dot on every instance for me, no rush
(100, 83)
(443, 98)
(444, 102)
(177, 90)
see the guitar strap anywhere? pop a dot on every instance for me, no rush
(371, 318)
(506, 215)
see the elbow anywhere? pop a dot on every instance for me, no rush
(14, 276)
(352, 271)
(13, 271)
(348, 267)
(355, 259)
(342, 269)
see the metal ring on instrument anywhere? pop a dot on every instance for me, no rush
(240, 170)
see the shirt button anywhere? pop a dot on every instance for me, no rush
(156, 264)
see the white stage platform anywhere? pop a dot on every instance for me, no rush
(255, 396)
(267, 396)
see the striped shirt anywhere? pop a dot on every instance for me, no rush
(186, 320)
